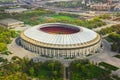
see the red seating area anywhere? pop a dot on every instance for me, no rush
(59, 30)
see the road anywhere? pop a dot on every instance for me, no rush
(69, 75)
(106, 55)
(106, 46)
(64, 76)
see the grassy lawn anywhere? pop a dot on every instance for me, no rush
(108, 66)
(117, 56)
(43, 16)
(41, 19)
(63, 17)
(49, 19)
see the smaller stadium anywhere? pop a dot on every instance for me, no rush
(60, 40)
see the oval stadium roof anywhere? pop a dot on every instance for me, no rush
(83, 36)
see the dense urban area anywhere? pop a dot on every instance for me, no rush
(101, 16)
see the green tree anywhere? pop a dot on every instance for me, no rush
(31, 71)
(3, 46)
(17, 76)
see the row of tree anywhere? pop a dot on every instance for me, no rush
(115, 37)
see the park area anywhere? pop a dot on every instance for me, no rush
(36, 17)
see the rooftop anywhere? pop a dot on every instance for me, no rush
(83, 35)
(9, 21)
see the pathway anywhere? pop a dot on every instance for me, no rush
(109, 24)
(106, 56)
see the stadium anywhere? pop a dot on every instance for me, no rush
(60, 40)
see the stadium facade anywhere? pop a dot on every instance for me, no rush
(60, 40)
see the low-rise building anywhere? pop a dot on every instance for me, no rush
(100, 6)
(115, 1)
(11, 23)
(15, 10)
(117, 7)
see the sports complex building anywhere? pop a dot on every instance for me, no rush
(60, 40)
